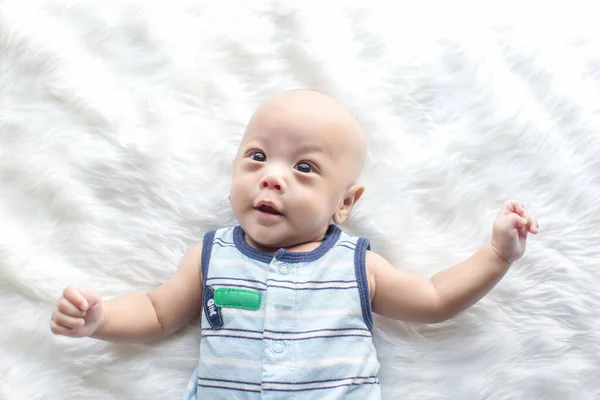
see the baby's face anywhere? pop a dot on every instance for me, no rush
(295, 165)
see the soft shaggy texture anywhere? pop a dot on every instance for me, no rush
(119, 119)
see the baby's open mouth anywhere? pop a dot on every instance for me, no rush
(269, 210)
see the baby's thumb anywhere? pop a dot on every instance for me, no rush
(91, 297)
(516, 221)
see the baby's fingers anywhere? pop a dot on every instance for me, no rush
(67, 321)
(533, 224)
(72, 295)
(513, 206)
(60, 330)
(516, 221)
(67, 308)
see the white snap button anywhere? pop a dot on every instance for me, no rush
(284, 269)
(277, 347)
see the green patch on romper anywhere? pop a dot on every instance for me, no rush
(238, 298)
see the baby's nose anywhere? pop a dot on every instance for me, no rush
(272, 181)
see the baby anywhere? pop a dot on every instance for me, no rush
(286, 297)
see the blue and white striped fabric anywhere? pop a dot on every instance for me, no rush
(310, 338)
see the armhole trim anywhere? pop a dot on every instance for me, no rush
(207, 245)
(360, 268)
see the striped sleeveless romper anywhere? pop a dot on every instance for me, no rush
(285, 325)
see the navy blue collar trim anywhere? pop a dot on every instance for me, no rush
(331, 238)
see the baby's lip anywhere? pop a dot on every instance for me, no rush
(268, 207)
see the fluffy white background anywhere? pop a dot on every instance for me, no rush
(118, 121)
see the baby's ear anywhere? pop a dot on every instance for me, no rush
(352, 196)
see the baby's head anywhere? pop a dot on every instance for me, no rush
(296, 169)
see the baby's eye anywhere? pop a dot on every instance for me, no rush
(259, 156)
(304, 167)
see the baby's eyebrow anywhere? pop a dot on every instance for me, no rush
(254, 141)
(310, 148)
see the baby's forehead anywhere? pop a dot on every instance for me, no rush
(307, 118)
(317, 117)
(302, 134)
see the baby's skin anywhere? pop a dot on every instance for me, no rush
(294, 174)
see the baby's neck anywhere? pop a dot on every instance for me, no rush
(297, 248)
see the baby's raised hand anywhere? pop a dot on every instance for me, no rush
(510, 230)
(78, 313)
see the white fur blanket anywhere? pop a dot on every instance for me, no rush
(118, 121)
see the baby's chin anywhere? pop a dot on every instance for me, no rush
(267, 239)
(271, 239)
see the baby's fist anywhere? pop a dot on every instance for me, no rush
(510, 230)
(78, 313)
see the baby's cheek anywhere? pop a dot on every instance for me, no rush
(327, 210)
(237, 194)
(239, 185)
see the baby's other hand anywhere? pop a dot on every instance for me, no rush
(510, 230)
(78, 313)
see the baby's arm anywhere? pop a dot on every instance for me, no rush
(135, 317)
(404, 296)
